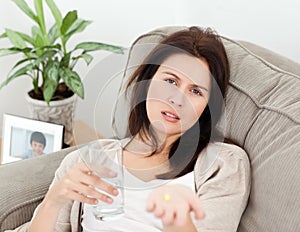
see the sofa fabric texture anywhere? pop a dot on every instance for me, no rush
(262, 116)
(23, 186)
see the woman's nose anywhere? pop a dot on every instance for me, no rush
(177, 99)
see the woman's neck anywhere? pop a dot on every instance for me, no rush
(146, 146)
(143, 161)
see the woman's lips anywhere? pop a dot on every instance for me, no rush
(169, 116)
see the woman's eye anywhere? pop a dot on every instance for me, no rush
(197, 92)
(173, 82)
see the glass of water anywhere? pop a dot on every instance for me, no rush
(103, 156)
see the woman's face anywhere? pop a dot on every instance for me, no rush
(178, 94)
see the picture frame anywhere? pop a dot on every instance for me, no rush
(24, 138)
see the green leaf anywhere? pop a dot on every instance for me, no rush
(35, 31)
(52, 70)
(77, 27)
(55, 47)
(3, 35)
(45, 56)
(51, 80)
(15, 38)
(25, 8)
(37, 35)
(94, 46)
(8, 51)
(65, 61)
(53, 34)
(55, 12)
(68, 21)
(25, 37)
(72, 80)
(38, 5)
(22, 50)
(23, 61)
(39, 42)
(22, 71)
(87, 57)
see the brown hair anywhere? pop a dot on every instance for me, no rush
(201, 43)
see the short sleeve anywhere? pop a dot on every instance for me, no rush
(222, 175)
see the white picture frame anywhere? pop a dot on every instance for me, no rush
(19, 135)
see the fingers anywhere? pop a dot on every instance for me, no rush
(85, 177)
(168, 212)
(173, 204)
(180, 219)
(88, 192)
(169, 216)
(95, 181)
(98, 169)
(199, 213)
(82, 198)
(102, 171)
(195, 207)
(159, 210)
(82, 185)
(150, 206)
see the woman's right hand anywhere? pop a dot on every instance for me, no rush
(79, 184)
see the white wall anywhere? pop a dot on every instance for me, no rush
(272, 24)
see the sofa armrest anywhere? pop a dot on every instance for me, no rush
(23, 185)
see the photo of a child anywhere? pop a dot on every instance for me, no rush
(37, 143)
(25, 138)
(27, 143)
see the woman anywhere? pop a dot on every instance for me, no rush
(177, 99)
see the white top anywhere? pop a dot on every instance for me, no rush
(222, 179)
(136, 217)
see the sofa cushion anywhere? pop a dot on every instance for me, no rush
(262, 116)
(23, 186)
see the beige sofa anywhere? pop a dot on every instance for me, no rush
(262, 116)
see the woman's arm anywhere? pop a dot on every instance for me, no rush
(76, 185)
(45, 219)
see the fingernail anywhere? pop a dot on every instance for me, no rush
(109, 200)
(95, 202)
(115, 192)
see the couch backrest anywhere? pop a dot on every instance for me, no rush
(262, 116)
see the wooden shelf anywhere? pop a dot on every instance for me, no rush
(83, 133)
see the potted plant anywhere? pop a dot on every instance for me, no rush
(49, 63)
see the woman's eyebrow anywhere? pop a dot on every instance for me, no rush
(178, 78)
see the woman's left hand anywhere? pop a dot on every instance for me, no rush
(173, 204)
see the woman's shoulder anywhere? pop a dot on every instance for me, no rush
(221, 157)
(229, 150)
(222, 150)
